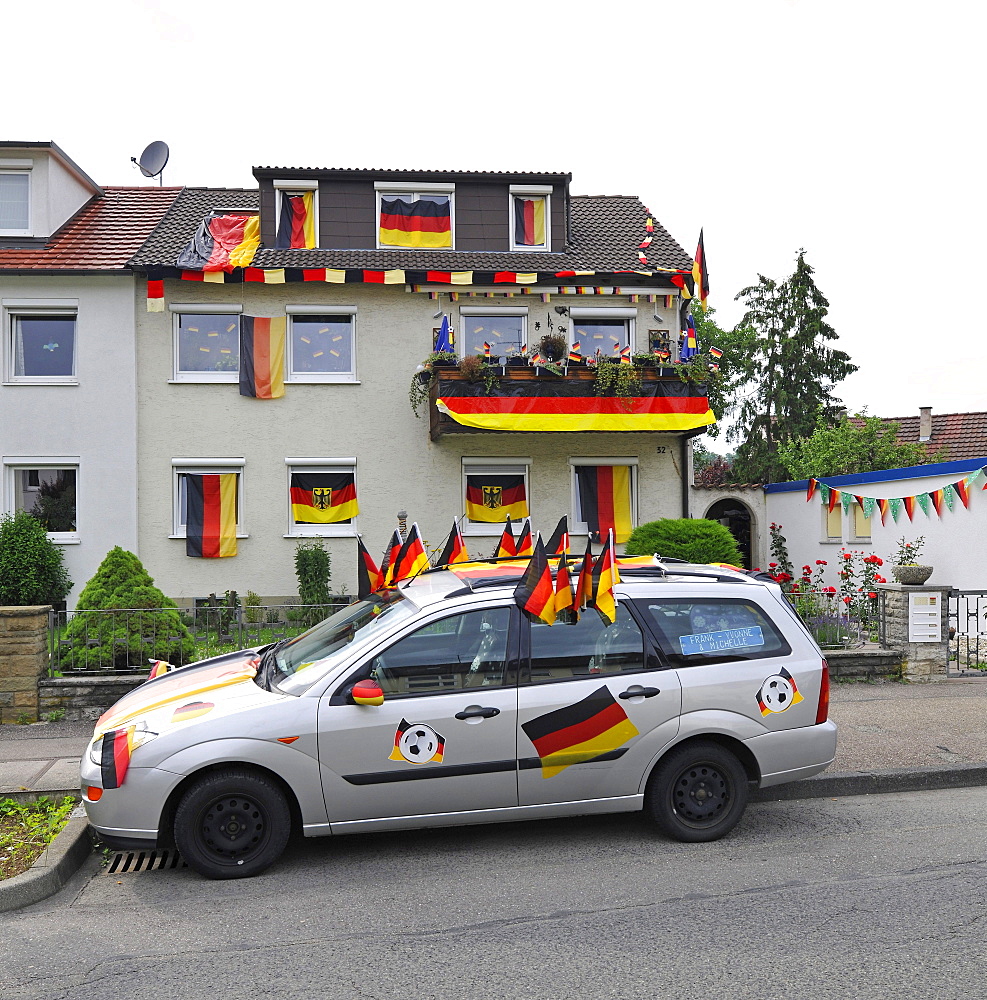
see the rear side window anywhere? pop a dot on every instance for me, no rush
(712, 631)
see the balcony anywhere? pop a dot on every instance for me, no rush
(533, 399)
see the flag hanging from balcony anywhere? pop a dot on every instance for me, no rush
(690, 343)
(529, 222)
(323, 497)
(262, 344)
(296, 225)
(422, 223)
(221, 243)
(535, 594)
(506, 546)
(368, 575)
(605, 499)
(494, 499)
(455, 548)
(210, 524)
(700, 274)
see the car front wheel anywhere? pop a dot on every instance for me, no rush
(232, 824)
(697, 793)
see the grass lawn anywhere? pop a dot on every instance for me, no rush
(27, 828)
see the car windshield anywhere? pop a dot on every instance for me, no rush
(286, 664)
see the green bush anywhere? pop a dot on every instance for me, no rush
(136, 633)
(313, 568)
(696, 540)
(32, 570)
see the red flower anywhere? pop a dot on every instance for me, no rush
(872, 595)
(806, 569)
(772, 565)
(829, 590)
(821, 562)
(846, 600)
(878, 561)
(847, 555)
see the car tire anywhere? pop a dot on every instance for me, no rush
(697, 793)
(232, 824)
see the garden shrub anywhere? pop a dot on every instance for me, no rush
(313, 568)
(116, 641)
(696, 540)
(32, 569)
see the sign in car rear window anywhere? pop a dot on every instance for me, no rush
(714, 642)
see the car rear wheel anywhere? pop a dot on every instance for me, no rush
(232, 824)
(697, 793)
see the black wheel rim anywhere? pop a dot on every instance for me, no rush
(701, 795)
(233, 829)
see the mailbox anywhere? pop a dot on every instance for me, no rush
(924, 618)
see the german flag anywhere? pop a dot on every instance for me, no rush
(963, 492)
(834, 499)
(762, 694)
(583, 593)
(296, 226)
(388, 562)
(480, 572)
(368, 575)
(565, 609)
(699, 273)
(210, 528)
(883, 505)
(494, 499)
(221, 243)
(323, 497)
(506, 546)
(579, 733)
(455, 548)
(937, 497)
(411, 560)
(524, 546)
(558, 544)
(114, 759)
(395, 754)
(158, 668)
(529, 222)
(605, 575)
(192, 711)
(535, 595)
(605, 499)
(909, 504)
(813, 484)
(262, 341)
(422, 223)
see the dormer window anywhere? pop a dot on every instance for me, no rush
(15, 202)
(416, 216)
(530, 217)
(297, 215)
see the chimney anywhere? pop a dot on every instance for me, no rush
(924, 423)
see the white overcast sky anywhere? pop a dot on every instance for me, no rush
(851, 128)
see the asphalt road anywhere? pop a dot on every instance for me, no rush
(862, 897)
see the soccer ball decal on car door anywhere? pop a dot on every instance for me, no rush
(417, 743)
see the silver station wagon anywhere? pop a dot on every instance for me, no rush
(438, 703)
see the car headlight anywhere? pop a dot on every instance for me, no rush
(138, 734)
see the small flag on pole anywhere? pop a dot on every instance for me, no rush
(535, 595)
(368, 574)
(455, 548)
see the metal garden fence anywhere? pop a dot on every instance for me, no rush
(836, 622)
(967, 632)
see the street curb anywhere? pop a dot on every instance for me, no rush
(58, 863)
(900, 779)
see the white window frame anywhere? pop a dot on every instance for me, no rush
(628, 315)
(21, 168)
(531, 191)
(205, 467)
(465, 312)
(320, 377)
(14, 309)
(511, 465)
(335, 465)
(826, 537)
(283, 187)
(415, 191)
(19, 463)
(178, 309)
(580, 527)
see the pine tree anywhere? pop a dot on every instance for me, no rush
(791, 372)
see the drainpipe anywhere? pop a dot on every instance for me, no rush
(686, 478)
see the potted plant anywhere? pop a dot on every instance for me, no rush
(553, 347)
(906, 568)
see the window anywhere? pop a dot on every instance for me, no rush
(15, 202)
(415, 216)
(712, 630)
(602, 330)
(832, 523)
(586, 649)
(47, 489)
(184, 467)
(207, 344)
(505, 330)
(530, 220)
(461, 652)
(861, 525)
(493, 491)
(322, 344)
(297, 215)
(322, 496)
(41, 345)
(605, 491)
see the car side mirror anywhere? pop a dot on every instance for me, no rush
(367, 692)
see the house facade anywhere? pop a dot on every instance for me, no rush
(68, 402)
(339, 282)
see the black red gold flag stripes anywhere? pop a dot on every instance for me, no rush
(210, 523)
(605, 575)
(493, 499)
(221, 243)
(296, 225)
(535, 594)
(605, 499)
(368, 575)
(700, 274)
(455, 548)
(323, 497)
(529, 222)
(412, 559)
(114, 758)
(422, 223)
(524, 546)
(558, 544)
(388, 562)
(579, 733)
(565, 609)
(507, 546)
(262, 343)
(776, 693)
(583, 593)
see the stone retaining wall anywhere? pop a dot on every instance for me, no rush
(85, 697)
(864, 664)
(23, 659)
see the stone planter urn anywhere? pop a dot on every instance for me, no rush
(911, 576)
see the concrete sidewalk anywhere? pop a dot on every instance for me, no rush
(940, 730)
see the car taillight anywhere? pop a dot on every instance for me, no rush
(822, 710)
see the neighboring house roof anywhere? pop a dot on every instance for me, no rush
(101, 236)
(963, 435)
(605, 233)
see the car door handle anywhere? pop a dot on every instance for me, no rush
(478, 713)
(639, 692)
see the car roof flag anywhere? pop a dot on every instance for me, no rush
(455, 548)
(535, 594)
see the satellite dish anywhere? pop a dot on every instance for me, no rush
(154, 159)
